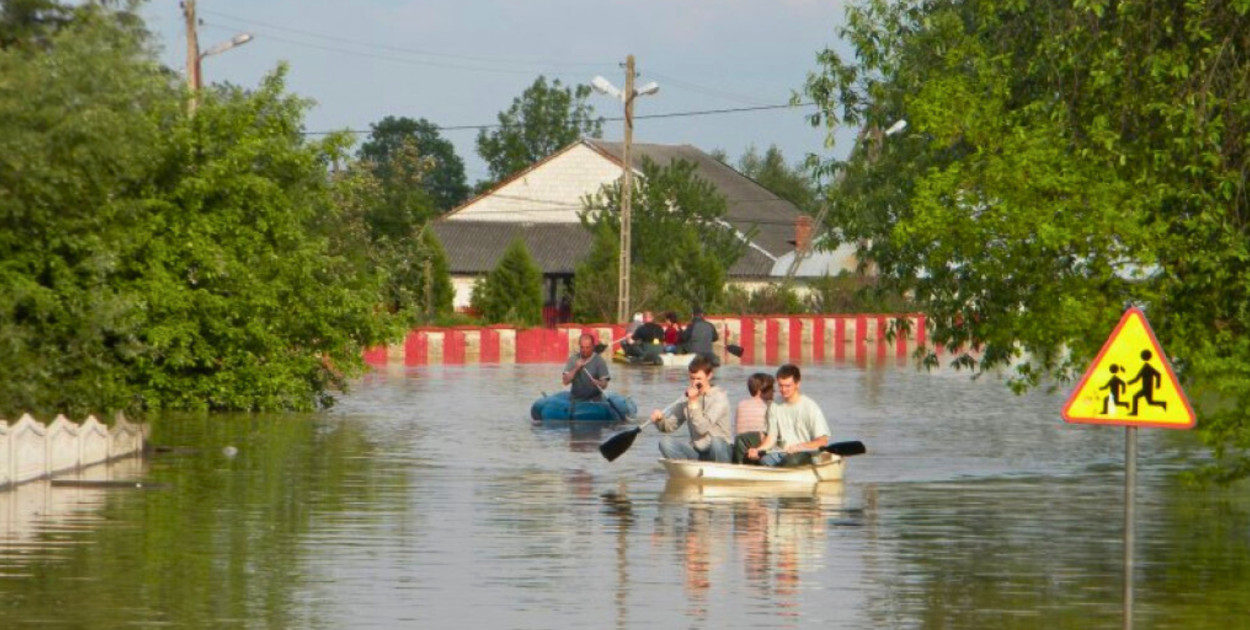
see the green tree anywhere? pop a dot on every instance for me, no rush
(544, 119)
(1062, 160)
(680, 248)
(416, 282)
(771, 171)
(443, 179)
(258, 309)
(84, 119)
(513, 291)
(158, 261)
(437, 292)
(31, 22)
(596, 278)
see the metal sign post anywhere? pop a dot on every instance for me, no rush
(1130, 490)
(1130, 383)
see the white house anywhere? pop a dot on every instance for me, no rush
(541, 203)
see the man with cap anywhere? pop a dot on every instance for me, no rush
(699, 336)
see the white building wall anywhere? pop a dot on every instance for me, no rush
(464, 290)
(550, 193)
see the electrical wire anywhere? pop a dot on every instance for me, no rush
(702, 112)
(510, 61)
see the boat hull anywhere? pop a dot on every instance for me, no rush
(827, 467)
(666, 359)
(559, 406)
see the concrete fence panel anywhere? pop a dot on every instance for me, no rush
(63, 446)
(6, 454)
(765, 339)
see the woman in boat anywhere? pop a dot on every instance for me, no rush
(751, 419)
(705, 412)
(672, 332)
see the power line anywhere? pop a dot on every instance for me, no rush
(411, 62)
(511, 61)
(702, 112)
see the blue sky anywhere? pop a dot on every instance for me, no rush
(461, 62)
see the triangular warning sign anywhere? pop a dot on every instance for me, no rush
(1130, 383)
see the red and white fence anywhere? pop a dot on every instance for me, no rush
(765, 339)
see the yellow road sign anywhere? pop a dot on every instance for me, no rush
(1130, 383)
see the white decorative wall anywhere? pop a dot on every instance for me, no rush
(32, 450)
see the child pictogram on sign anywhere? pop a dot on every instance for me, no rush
(1116, 395)
(1150, 379)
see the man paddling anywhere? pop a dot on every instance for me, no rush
(705, 412)
(586, 371)
(796, 426)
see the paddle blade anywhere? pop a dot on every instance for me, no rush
(734, 350)
(616, 445)
(846, 449)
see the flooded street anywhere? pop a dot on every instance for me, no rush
(427, 498)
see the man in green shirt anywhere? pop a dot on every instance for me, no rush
(796, 427)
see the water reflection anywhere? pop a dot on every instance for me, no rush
(38, 521)
(774, 532)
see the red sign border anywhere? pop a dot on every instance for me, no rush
(1163, 357)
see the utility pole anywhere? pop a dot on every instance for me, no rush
(627, 96)
(627, 190)
(193, 49)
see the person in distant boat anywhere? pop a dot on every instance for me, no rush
(751, 421)
(672, 332)
(586, 371)
(705, 412)
(627, 342)
(796, 425)
(699, 336)
(646, 344)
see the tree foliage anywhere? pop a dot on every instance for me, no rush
(1063, 160)
(513, 291)
(152, 260)
(438, 171)
(544, 119)
(771, 171)
(680, 248)
(412, 265)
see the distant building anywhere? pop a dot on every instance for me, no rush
(541, 203)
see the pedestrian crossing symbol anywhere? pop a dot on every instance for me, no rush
(1130, 383)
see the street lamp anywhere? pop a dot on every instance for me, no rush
(627, 96)
(233, 42)
(799, 252)
(195, 56)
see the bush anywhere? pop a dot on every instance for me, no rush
(512, 292)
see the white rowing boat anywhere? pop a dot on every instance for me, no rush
(825, 467)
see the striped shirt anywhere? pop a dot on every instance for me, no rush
(751, 414)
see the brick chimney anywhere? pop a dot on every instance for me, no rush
(802, 233)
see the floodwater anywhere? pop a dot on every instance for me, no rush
(428, 499)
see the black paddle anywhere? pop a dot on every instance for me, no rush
(616, 445)
(841, 449)
(845, 449)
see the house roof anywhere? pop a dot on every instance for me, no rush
(749, 205)
(530, 205)
(474, 247)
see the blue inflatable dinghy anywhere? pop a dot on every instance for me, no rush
(558, 406)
